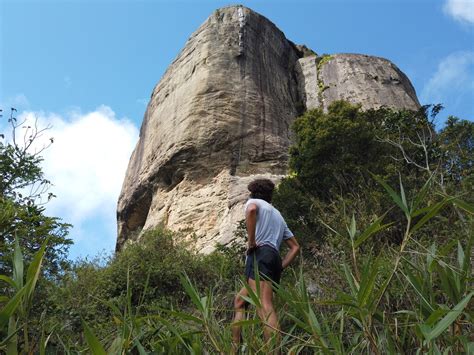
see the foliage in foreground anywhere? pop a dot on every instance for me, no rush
(404, 300)
(385, 270)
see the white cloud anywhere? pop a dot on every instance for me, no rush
(460, 10)
(86, 164)
(452, 78)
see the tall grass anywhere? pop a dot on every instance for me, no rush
(407, 298)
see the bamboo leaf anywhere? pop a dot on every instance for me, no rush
(175, 331)
(415, 283)
(452, 315)
(464, 206)
(5, 341)
(352, 228)
(432, 212)
(371, 230)
(246, 322)
(8, 280)
(402, 193)
(94, 345)
(11, 306)
(191, 291)
(350, 280)
(435, 316)
(185, 316)
(392, 194)
(44, 342)
(461, 256)
(34, 270)
(18, 265)
(422, 194)
(253, 298)
(420, 211)
(141, 349)
(367, 283)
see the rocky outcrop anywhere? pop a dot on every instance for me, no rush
(221, 115)
(361, 79)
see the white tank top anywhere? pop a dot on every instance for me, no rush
(271, 228)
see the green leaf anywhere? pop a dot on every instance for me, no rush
(416, 213)
(422, 194)
(415, 283)
(352, 228)
(185, 316)
(191, 291)
(402, 193)
(94, 345)
(6, 341)
(392, 194)
(461, 256)
(8, 310)
(44, 342)
(246, 322)
(18, 265)
(435, 316)
(8, 280)
(350, 280)
(449, 283)
(444, 323)
(431, 213)
(367, 283)
(141, 349)
(464, 205)
(371, 230)
(34, 269)
(175, 331)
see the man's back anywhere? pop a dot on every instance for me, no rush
(271, 228)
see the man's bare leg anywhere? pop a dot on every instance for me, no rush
(267, 313)
(239, 314)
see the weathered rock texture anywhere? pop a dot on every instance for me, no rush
(221, 115)
(360, 79)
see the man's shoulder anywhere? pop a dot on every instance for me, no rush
(255, 201)
(261, 204)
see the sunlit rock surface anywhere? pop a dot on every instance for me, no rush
(221, 115)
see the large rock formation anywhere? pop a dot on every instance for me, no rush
(221, 115)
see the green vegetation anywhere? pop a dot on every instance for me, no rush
(23, 192)
(320, 62)
(383, 207)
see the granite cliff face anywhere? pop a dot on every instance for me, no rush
(221, 116)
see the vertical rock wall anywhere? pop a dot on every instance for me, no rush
(221, 115)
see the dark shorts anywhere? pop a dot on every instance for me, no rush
(268, 261)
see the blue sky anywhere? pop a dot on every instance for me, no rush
(88, 68)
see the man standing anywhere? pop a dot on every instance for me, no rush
(266, 230)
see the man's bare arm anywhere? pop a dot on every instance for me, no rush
(251, 222)
(292, 243)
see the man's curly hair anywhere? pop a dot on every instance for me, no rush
(262, 189)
